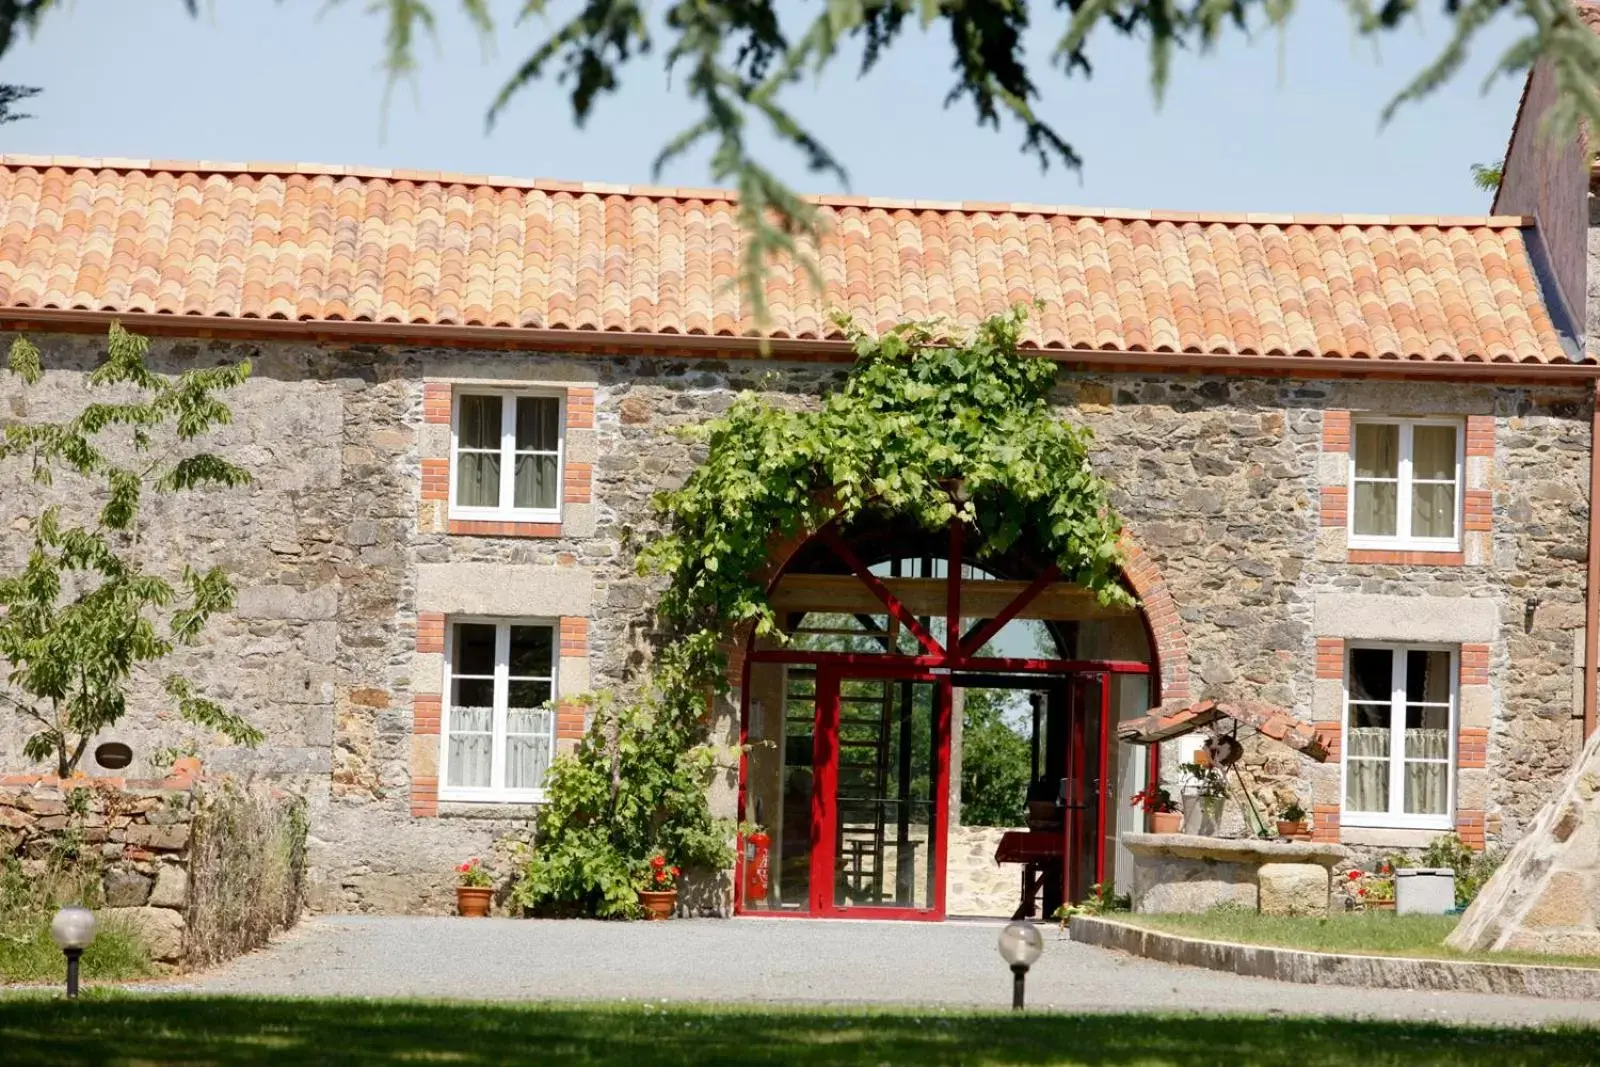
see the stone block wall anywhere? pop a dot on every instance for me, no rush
(349, 566)
(136, 835)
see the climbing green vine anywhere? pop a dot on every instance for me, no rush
(919, 429)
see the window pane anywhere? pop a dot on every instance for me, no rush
(1433, 452)
(478, 424)
(472, 693)
(538, 423)
(1371, 674)
(471, 747)
(1428, 676)
(527, 758)
(529, 694)
(474, 649)
(478, 479)
(1427, 788)
(1433, 511)
(1377, 509)
(531, 648)
(529, 721)
(535, 485)
(1377, 451)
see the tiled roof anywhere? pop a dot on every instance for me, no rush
(1169, 721)
(330, 244)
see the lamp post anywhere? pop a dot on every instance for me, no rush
(1020, 946)
(72, 930)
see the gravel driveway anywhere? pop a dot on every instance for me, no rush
(786, 961)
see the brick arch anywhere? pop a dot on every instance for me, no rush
(1167, 639)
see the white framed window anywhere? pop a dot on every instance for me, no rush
(1406, 483)
(498, 722)
(506, 457)
(1399, 735)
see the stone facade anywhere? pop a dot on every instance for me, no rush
(349, 565)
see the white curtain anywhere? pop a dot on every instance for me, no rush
(471, 747)
(529, 738)
(1366, 773)
(1427, 783)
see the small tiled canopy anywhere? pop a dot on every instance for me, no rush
(1173, 720)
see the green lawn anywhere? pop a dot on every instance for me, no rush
(1361, 933)
(125, 1031)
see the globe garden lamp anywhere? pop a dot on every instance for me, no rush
(1020, 946)
(72, 930)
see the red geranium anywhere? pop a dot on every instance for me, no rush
(660, 876)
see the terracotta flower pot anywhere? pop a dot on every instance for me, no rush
(1381, 905)
(1166, 822)
(472, 902)
(1291, 829)
(658, 906)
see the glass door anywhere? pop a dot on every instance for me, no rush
(882, 758)
(1085, 787)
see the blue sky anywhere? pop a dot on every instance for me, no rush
(1287, 124)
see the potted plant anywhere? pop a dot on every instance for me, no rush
(658, 889)
(1292, 820)
(1203, 798)
(474, 889)
(1159, 805)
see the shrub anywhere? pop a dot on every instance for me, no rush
(247, 864)
(1473, 869)
(27, 903)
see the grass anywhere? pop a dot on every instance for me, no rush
(127, 1031)
(1361, 933)
(28, 955)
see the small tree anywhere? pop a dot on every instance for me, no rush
(84, 615)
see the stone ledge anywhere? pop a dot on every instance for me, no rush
(1233, 849)
(1325, 968)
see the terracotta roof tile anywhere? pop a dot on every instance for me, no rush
(341, 244)
(1173, 720)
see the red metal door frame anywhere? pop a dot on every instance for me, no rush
(824, 795)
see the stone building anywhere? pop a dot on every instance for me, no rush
(1353, 455)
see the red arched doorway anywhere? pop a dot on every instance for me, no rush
(853, 730)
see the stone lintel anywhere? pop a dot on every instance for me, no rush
(1378, 617)
(504, 589)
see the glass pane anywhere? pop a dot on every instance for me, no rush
(1433, 511)
(1428, 676)
(538, 423)
(478, 423)
(474, 648)
(472, 693)
(529, 720)
(1366, 785)
(1433, 452)
(1377, 509)
(1427, 788)
(528, 695)
(789, 886)
(1366, 741)
(471, 746)
(1371, 674)
(1377, 451)
(478, 479)
(535, 485)
(883, 850)
(527, 758)
(531, 648)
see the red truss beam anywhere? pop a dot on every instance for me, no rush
(831, 538)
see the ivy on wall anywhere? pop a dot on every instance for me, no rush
(919, 429)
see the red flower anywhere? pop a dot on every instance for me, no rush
(675, 872)
(464, 868)
(1353, 875)
(658, 862)
(1362, 891)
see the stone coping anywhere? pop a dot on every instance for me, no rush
(1326, 968)
(1254, 850)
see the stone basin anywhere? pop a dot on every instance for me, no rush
(1189, 874)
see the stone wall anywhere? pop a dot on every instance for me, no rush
(136, 838)
(974, 883)
(338, 557)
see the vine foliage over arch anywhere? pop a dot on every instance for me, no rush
(930, 431)
(921, 429)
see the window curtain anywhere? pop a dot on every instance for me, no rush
(1427, 783)
(471, 747)
(1366, 773)
(529, 738)
(478, 472)
(1433, 459)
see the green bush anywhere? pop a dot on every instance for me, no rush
(994, 764)
(1473, 869)
(27, 903)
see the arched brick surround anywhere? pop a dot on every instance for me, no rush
(1161, 615)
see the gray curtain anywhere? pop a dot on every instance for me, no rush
(471, 747)
(529, 740)
(1427, 783)
(1366, 776)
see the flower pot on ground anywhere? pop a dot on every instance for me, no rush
(658, 889)
(474, 890)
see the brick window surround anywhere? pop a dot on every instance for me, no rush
(427, 709)
(1472, 743)
(1333, 500)
(577, 475)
